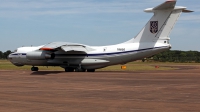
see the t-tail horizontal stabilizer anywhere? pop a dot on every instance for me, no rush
(160, 25)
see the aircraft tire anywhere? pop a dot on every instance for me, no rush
(69, 69)
(34, 69)
(90, 70)
(80, 70)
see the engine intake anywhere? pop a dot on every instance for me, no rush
(40, 55)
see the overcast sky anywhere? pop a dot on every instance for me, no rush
(92, 22)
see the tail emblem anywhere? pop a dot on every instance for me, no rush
(153, 27)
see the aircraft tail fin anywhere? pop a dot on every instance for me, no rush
(162, 22)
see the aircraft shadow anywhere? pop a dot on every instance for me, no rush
(46, 72)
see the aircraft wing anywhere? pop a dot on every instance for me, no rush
(66, 46)
(74, 48)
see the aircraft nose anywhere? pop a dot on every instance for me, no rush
(9, 57)
(14, 60)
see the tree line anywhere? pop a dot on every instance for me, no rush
(4, 55)
(176, 56)
(166, 56)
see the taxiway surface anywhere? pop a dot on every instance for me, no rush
(149, 91)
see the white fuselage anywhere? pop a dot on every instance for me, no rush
(101, 56)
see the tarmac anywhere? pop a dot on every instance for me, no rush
(122, 91)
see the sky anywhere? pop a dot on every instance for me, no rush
(91, 22)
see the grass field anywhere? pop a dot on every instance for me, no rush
(133, 66)
(6, 65)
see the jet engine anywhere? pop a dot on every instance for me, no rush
(40, 55)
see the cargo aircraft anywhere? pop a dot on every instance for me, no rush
(152, 39)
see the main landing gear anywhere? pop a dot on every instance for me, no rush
(91, 70)
(78, 70)
(34, 68)
(69, 69)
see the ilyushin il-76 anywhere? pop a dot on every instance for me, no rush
(152, 39)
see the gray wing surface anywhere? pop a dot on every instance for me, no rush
(66, 46)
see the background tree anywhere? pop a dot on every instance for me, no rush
(1, 54)
(5, 54)
(177, 56)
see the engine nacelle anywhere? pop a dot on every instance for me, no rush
(40, 55)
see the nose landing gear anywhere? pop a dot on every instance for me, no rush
(34, 68)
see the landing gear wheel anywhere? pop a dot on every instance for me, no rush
(34, 69)
(83, 70)
(80, 70)
(69, 69)
(90, 70)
